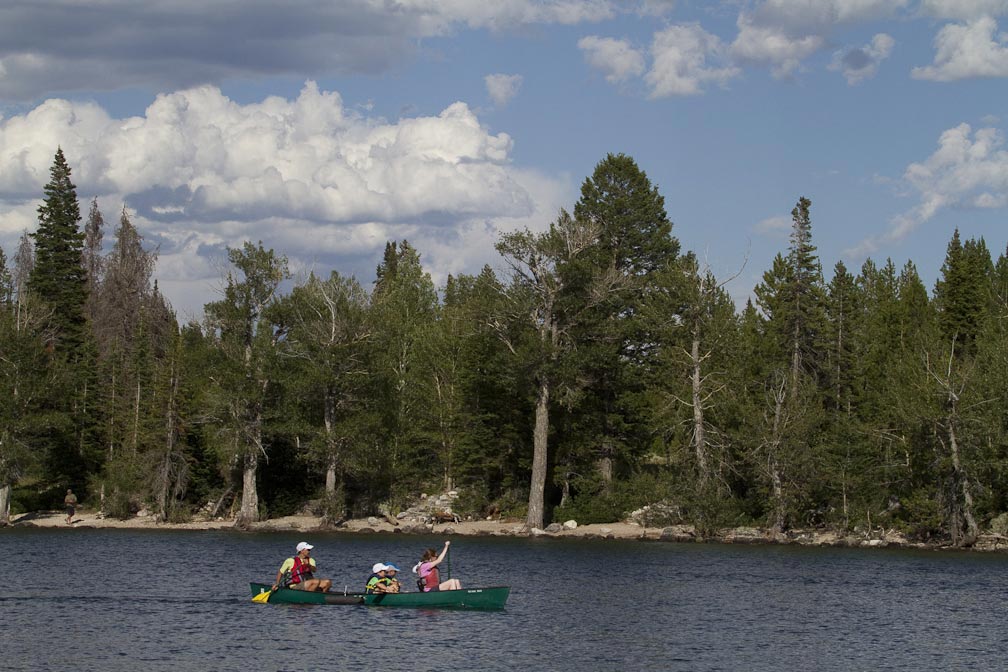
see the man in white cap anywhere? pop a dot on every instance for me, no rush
(298, 573)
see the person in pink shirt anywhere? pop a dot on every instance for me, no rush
(430, 577)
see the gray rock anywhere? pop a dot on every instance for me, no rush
(678, 533)
(553, 528)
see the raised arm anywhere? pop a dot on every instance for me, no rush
(441, 556)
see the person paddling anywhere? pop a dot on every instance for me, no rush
(430, 577)
(298, 573)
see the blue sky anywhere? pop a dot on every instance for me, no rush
(325, 129)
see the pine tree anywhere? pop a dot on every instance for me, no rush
(793, 298)
(58, 276)
(632, 244)
(405, 305)
(963, 293)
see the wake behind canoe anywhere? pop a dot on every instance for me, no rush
(468, 598)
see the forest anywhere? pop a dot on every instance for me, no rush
(602, 370)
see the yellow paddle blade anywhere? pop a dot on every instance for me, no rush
(262, 597)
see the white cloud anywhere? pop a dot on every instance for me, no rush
(618, 59)
(771, 45)
(783, 33)
(967, 50)
(963, 10)
(968, 170)
(860, 63)
(774, 226)
(681, 65)
(502, 88)
(308, 177)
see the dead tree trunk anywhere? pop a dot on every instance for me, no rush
(699, 440)
(5, 500)
(537, 491)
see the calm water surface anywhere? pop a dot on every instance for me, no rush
(81, 599)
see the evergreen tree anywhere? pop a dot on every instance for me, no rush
(792, 296)
(487, 463)
(58, 275)
(633, 242)
(963, 293)
(405, 304)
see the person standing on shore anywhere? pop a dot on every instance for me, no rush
(70, 502)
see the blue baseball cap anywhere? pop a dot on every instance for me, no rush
(392, 567)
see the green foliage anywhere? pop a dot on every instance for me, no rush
(606, 366)
(922, 516)
(58, 274)
(594, 501)
(333, 506)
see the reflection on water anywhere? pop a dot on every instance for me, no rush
(112, 600)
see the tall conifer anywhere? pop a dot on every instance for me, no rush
(59, 277)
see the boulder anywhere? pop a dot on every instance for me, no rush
(553, 528)
(570, 525)
(744, 535)
(678, 533)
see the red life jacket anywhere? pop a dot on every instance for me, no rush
(432, 580)
(301, 571)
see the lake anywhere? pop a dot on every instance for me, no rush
(109, 600)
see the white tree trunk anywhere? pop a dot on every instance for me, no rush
(5, 499)
(541, 434)
(250, 498)
(699, 440)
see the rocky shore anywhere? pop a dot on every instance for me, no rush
(626, 530)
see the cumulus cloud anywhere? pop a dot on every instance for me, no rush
(113, 44)
(502, 88)
(860, 63)
(781, 34)
(617, 59)
(968, 170)
(682, 61)
(967, 50)
(307, 176)
(773, 46)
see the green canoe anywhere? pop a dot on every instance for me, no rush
(467, 598)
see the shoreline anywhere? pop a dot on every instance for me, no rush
(625, 531)
(308, 523)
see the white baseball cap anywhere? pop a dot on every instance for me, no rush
(303, 545)
(379, 567)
